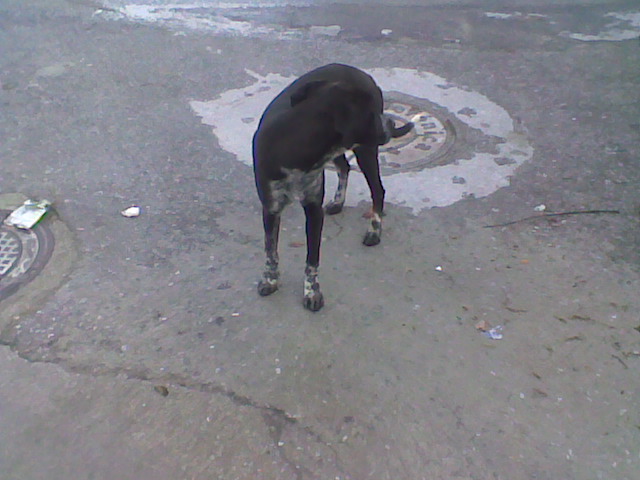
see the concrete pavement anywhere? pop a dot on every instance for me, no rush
(142, 350)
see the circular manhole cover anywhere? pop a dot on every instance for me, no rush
(23, 254)
(425, 146)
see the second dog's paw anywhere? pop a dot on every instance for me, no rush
(332, 208)
(371, 239)
(267, 287)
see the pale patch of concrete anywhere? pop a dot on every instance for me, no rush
(517, 15)
(625, 27)
(234, 116)
(202, 17)
(189, 16)
(55, 70)
(498, 15)
(328, 30)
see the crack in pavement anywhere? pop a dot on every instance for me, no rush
(276, 419)
(276, 425)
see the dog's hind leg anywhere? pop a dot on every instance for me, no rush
(269, 282)
(313, 299)
(343, 167)
(367, 156)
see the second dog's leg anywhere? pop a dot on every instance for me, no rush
(343, 167)
(313, 299)
(269, 282)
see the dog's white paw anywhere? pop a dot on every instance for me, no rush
(374, 233)
(333, 207)
(313, 302)
(312, 299)
(267, 286)
(371, 238)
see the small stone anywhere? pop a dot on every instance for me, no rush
(538, 393)
(500, 161)
(162, 390)
(483, 325)
(470, 112)
(131, 212)
(6, 86)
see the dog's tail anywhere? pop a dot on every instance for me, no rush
(389, 129)
(400, 131)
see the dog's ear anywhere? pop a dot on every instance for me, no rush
(306, 91)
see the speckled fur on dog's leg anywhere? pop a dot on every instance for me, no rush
(269, 282)
(312, 299)
(373, 235)
(336, 205)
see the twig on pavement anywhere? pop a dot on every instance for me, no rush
(557, 214)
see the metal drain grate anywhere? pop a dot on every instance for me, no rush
(23, 255)
(426, 146)
(10, 250)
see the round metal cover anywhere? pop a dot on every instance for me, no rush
(425, 146)
(23, 254)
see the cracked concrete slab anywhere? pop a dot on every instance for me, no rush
(94, 427)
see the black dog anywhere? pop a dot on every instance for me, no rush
(313, 121)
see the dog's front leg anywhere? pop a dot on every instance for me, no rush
(313, 299)
(367, 156)
(269, 282)
(343, 167)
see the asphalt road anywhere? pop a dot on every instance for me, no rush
(142, 349)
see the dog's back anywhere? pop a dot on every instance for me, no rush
(334, 72)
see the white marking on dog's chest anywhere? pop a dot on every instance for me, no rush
(296, 185)
(300, 185)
